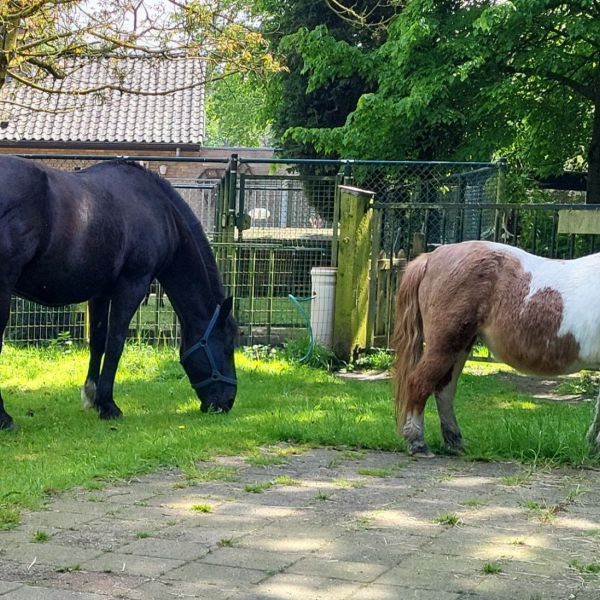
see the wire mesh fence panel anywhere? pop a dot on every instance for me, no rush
(287, 207)
(289, 230)
(263, 277)
(31, 323)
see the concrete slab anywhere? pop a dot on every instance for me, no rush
(359, 526)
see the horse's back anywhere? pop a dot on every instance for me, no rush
(71, 236)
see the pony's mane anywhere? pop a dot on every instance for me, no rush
(187, 218)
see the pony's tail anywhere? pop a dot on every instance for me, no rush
(407, 339)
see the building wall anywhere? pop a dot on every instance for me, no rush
(174, 170)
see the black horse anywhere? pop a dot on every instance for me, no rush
(103, 234)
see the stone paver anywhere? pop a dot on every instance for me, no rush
(327, 529)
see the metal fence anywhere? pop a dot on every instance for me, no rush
(271, 220)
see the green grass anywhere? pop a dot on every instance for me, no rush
(39, 537)
(142, 535)
(492, 569)
(286, 480)
(259, 487)
(265, 460)
(58, 445)
(593, 568)
(203, 508)
(449, 519)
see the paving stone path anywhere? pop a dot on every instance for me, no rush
(318, 525)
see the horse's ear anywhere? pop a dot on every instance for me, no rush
(226, 308)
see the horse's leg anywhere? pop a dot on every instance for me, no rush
(433, 372)
(6, 421)
(593, 434)
(98, 312)
(445, 404)
(123, 304)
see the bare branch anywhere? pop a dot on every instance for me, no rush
(37, 108)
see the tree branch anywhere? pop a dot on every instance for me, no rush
(101, 88)
(588, 92)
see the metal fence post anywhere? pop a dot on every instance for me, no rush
(225, 226)
(352, 285)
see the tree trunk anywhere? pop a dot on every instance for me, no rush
(593, 179)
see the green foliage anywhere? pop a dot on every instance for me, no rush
(235, 112)
(380, 360)
(585, 568)
(9, 517)
(464, 80)
(203, 508)
(142, 535)
(449, 519)
(491, 569)
(39, 537)
(287, 480)
(258, 487)
(586, 384)
(319, 92)
(320, 357)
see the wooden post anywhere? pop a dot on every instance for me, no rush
(352, 285)
(418, 244)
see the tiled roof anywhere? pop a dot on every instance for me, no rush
(113, 116)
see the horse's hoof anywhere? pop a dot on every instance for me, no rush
(88, 395)
(112, 413)
(7, 424)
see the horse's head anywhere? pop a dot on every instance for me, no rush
(209, 363)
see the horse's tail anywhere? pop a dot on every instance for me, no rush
(407, 338)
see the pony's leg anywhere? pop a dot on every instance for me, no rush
(593, 434)
(123, 303)
(445, 404)
(432, 372)
(98, 312)
(6, 421)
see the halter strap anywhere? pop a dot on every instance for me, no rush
(215, 375)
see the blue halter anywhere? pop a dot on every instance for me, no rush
(216, 375)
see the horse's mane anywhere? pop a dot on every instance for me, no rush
(187, 218)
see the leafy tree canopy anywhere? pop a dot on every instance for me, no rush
(320, 94)
(235, 112)
(468, 79)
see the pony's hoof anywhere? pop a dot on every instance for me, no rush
(454, 450)
(421, 451)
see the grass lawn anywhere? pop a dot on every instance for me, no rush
(58, 445)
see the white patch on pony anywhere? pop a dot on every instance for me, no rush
(578, 282)
(88, 394)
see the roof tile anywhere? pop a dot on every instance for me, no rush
(176, 117)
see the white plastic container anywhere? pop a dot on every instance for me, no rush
(322, 306)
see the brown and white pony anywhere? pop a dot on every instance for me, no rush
(538, 315)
